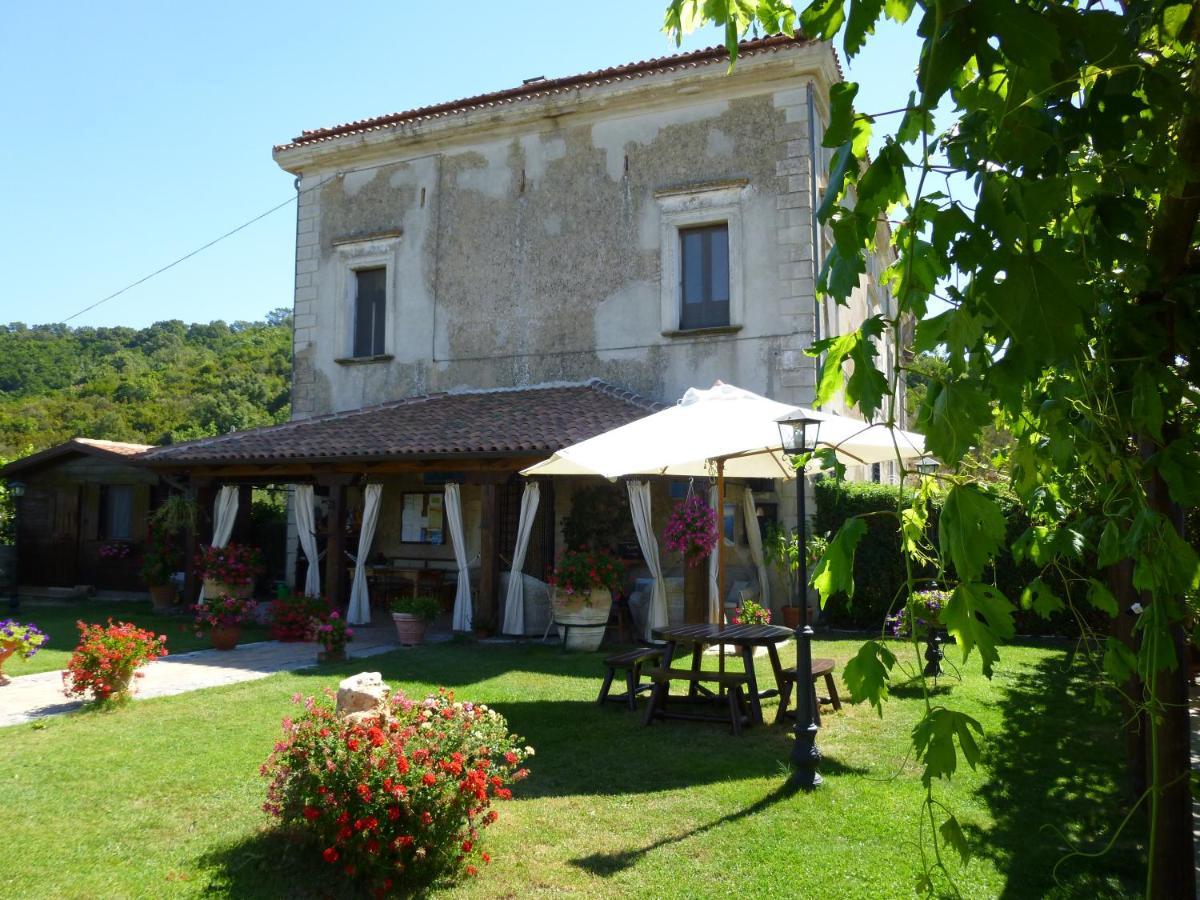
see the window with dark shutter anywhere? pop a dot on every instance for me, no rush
(704, 276)
(370, 311)
(116, 512)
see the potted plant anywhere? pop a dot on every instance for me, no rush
(750, 612)
(412, 615)
(691, 531)
(584, 582)
(292, 616)
(333, 634)
(158, 565)
(231, 569)
(782, 549)
(108, 658)
(17, 638)
(222, 617)
(921, 619)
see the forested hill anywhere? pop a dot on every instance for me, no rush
(163, 384)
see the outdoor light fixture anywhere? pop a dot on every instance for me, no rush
(16, 490)
(927, 465)
(798, 436)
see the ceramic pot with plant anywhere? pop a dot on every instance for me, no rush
(230, 570)
(292, 616)
(750, 612)
(333, 633)
(158, 565)
(782, 550)
(16, 638)
(221, 618)
(921, 619)
(584, 582)
(412, 616)
(108, 659)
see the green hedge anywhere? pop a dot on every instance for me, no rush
(879, 567)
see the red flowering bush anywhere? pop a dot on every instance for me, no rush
(691, 529)
(232, 564)
(107, 659)
(581, 570)
(291, 617)
(401, 798)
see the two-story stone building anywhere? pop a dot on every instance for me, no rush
(481, 282)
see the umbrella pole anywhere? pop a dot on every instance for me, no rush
(721, 561)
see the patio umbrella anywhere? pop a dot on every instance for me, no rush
(726, 432)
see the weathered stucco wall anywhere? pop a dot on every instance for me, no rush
(532, 251)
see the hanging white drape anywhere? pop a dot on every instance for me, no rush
(359, 612)
(307, 527)
(224, 514)
(639, 507)
(714, 562)
(754, 539)
(514, 602)
(462, 597)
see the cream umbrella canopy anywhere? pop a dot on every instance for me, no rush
(728, 426)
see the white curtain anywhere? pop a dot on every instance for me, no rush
(514, 603)
(359, 612)
(462, 598)
(754, 539)
(224, 514)
(639, 507)
(307, 527)
(714, 562)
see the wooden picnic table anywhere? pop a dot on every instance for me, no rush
(748, 637)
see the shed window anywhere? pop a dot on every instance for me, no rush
(370, 311)
(704, 276)
(116, 512)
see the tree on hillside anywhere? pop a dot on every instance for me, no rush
(1073, 318)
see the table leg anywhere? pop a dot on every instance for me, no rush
(697, 659)
(752, 686)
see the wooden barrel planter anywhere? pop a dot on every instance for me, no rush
(217, 588)
(585, 621)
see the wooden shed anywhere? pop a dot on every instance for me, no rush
(83, 516)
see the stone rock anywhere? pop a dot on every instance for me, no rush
(362, 693)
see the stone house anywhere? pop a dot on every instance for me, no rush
(570, 252)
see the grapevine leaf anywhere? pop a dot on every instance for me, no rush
(822, 19)
(834, 573)
(1174, 18)
(934, 737)
(1147, 409)
(841, 114)
(952, 834)
(978, 615)
(970, 530)
(1101, 597)
(951, 417)
(1119, 661)
(1109, 551)
(866, 675)
(1041, 599)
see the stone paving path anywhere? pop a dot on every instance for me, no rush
(30, 697)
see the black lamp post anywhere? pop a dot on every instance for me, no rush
(16, 490)
(927, 465)
(798, 435)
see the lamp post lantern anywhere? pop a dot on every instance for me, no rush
(927, 465)
(798, 435)
(16, 490)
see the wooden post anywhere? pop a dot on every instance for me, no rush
(720, 541)
(335, 544)
(201, 492)
(489, 558)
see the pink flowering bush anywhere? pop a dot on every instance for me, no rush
(224, 611)
(231, 564)
(399, 798)
(331, 632)
(691, 529)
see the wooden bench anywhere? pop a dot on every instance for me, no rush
(732, 682)
(630, 662)
(821, 668)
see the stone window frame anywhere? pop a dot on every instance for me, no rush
(690, 206)
(354, 255)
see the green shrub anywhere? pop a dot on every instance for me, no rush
(879, 567)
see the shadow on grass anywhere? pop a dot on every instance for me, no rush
(274, 863)
(1058, 782)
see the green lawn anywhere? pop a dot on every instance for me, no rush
(161, 798)
(58, 621)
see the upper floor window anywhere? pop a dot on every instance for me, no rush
(370, 311)
(704, 276)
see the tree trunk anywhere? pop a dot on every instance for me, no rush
(1120, 582)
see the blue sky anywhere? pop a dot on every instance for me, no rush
(136, 132)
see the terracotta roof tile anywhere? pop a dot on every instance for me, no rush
(133, 453)
(533, 89)
(533, 421)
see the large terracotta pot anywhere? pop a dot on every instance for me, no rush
(409, 629)
(225, 637)
(162, 596)
(217, 588)
(588, 619)
(791, 616)
(6, 650)
(331, 656)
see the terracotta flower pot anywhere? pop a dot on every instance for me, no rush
(217, 588)
(791, 616)
(331, 656)
(6, 650)
(162, 596)
(409, 629)
(225, 637)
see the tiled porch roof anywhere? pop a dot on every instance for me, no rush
(519, 421)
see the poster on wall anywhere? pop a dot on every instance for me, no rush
(421, 519)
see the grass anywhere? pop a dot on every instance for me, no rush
(161, 798)
(58, 621)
